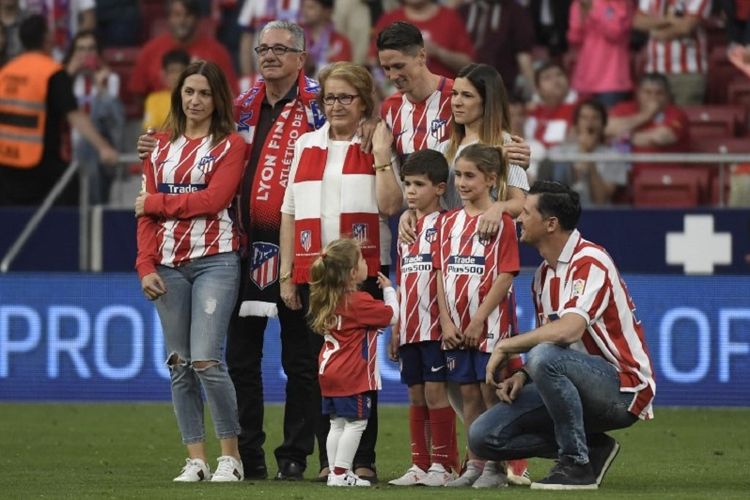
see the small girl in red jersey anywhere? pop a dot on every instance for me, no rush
(347, 367)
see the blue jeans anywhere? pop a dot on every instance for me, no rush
(573, 395)
(195, 315)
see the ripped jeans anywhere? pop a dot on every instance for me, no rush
(194, 315)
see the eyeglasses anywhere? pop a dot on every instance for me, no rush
(278, 50)
(345, 99)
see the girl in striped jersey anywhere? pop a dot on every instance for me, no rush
(475, 278)
(188, 262)
(347, 367)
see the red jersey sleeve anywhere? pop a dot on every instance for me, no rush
(148, 252)
(589, 291)
(218, 194)
(508, 259)
(436, 246)
(370, 312)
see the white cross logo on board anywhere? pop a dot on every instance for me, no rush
(699, 248)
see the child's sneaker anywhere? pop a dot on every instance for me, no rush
(492, 477)
(346, 479)
(412, 477)
(518, 472)
(195, 470)
(229, 469)
(470, 475)
(436, 476)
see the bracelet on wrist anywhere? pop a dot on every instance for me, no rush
(285, 276)
(384, 166)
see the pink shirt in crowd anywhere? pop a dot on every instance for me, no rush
(603, 63)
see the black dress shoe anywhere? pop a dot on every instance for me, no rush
(290, 471)
(255, 472)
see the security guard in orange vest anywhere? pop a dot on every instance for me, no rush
(36, 106)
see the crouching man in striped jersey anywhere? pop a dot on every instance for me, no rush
(588, 368)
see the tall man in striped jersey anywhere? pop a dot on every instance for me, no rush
(588, 368)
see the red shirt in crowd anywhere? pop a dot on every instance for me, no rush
(672, 117)
(147, 74)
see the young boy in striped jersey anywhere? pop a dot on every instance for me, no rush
(416, 341)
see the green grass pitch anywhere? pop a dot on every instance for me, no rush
(133, 451)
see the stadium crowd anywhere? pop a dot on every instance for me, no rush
(494, 87)
(552, 55)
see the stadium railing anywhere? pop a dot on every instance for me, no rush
(721, 160)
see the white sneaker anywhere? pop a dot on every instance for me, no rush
(229, 469)
(436, 476)
(518, 473)
(347, 479)
(491, 477)
(412, 477)
(466, 479)
(195, 470)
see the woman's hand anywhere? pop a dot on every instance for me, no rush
(383, 281)
(153, 286)
(140, 204)
(382, 139)
(518, 151)
(290, 296)
(146, 144)
(489, 222)
(365, 131)
(407, 226)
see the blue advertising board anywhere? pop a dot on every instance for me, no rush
(702, 241)
(91, 337)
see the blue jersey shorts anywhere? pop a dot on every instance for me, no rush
(421, 362)
(357, 406)
(466, 366)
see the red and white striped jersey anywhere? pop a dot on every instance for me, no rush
(190, 213)
(687, 54)
(257, 13)
(419, 317)
(586, 282)
(470, 266)
(422, 125)
(348, 363)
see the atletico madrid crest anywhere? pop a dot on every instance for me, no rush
(264, 269)
(360, 232)
(305, 240)
(437, 128)
(430, 235)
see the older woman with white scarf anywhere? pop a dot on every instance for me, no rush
(337, 190)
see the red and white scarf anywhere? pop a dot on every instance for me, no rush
(359, 217)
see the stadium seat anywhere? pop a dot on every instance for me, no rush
(739, 92)
(122, 60)
(720, 145)
(733, 145)
(715, 120)
(670, 186)
(720, 72)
